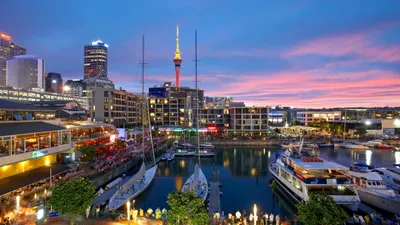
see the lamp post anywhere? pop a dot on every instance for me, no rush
(17, 202)
(255, 214)
(128, 208)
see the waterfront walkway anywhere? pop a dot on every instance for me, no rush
(214, 204)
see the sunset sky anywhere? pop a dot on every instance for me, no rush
(301, 54)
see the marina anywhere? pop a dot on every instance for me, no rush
(246, 168)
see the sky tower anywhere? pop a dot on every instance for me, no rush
(177, 60)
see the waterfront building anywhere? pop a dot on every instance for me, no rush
(53, 83)
(23, 95)
(95, 60)
(25, 71)
(169, 90)
(307, 117)
(37, 138)
(358, 114)
(170, 111)
(215, 117)
(248, 119)
(113, 106)
(217, 102)
(391, 126)
(74, 88)
(8, 49)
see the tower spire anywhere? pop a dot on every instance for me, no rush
(177, 51)
(177, 60)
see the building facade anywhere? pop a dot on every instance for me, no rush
(23, 95)
(170, 111)
(113, 106)
(25, 72)
(217, 102)
(74, 88)
(95, 60)
(307, 117)
(8, 50)
(215, 117)
(53, 83)
(248, 119)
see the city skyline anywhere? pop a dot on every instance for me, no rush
(300, 55)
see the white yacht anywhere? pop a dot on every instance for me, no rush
(391, 176)
(354, 146)
(197, 182)
(372, 143)
(372, 189)
(207, 146)
(302, 175)
(312, 145)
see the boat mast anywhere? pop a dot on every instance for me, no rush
(145, 109)
(197, 96)
(344, 126)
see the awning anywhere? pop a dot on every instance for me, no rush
(15, 182)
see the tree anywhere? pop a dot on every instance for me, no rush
(361, 131)
(186, 208)
(321, 210)
(88, 152)
(72, 197)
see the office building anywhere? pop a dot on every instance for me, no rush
(217, 102)
(169, 90)
(307, 117)
(8, 50)
(53, 83)
(95, 60)
(74, 88)
(25, 71)
(170, 111)
(112, 106)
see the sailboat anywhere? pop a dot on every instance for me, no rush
(197, 182)
(143, 178)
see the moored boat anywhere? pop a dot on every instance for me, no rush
(171, 157)
(290, 145)
(326, 145)
(383, 147)
(180, 152)
(304, 174)
(354, 146)
(391, 176)
(205, 153)
(197, 182)
(373, 190)
(133, 187)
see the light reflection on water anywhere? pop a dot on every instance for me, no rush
(245, 178)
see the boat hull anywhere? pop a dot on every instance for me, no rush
(203, 192)
(119, 201)
(383, 203)
(326, 145)
(383, 147)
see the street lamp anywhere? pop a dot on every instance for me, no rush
(255, 214)
(128, 208)
(17, 202)
(368, 123)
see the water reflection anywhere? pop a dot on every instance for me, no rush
(245, 177)
(368, 155)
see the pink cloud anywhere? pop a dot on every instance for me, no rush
(359, 44)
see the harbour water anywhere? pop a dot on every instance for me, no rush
(245, 178)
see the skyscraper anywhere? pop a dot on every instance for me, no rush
(53, 83)
(95, 60)
(25, 71)
(7, 51)
(177, 60)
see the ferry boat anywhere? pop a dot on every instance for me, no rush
(391, 176)
(372, 189)
(303, 174)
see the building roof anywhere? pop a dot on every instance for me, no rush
(7, 129)
(13, 105)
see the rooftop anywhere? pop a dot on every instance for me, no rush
(12, 105)
(7, 129)
(319, 165)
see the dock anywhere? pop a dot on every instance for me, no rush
(214, 200)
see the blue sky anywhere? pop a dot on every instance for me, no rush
(296, 53)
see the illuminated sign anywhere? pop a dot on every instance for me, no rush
(38, 154)
(5, 36)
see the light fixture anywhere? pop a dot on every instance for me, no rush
(368, 123)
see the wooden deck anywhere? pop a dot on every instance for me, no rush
(214, 204)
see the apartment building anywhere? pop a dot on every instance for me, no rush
(170, 111)
(307, 117)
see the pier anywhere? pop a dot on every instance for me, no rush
(214, 198)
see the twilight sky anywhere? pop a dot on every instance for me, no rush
(301, 54)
